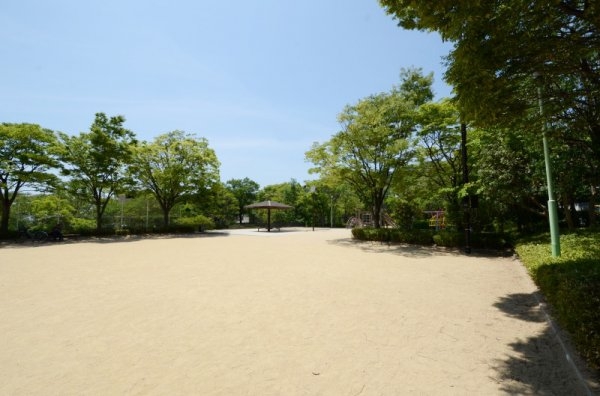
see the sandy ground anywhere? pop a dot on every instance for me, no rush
(287, 313)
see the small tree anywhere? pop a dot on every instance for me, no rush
(245, 191)
(173, 166)
(376, 141)
(26, 157)
(96, 162)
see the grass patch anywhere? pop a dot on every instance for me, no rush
(571, 284)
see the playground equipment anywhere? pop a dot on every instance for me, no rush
(354, 222)
(437, 219)
(365, 219)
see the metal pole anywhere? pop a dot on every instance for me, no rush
(331, 213)
(313, 189)
(465, 174)
(552, 207)
(147, 213)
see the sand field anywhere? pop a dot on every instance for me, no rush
(294, 312)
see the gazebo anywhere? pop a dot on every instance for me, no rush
(268, 205)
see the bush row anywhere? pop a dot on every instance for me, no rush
(571, 285)
(393, 235)
(87, 227)
(428, 237)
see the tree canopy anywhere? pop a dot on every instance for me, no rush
(26, 157)
(503, 51)
(376, 140)
(96, 161)
(173, 166)
(245, 191)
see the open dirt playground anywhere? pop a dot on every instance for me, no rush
(294, 312)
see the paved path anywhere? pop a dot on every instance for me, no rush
(282, 313)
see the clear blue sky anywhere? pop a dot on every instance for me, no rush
(261, 80)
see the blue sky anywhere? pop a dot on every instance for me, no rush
(261, 80)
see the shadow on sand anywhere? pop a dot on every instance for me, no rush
(543, 364)
(112, 239)
(404, 250)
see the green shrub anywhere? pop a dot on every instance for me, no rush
(421, 224)
(491, 240)
(449, 239)
(81, 226)
(420, 237)
(359, 233)
(191, 224)
(479, 240)
(571, 285)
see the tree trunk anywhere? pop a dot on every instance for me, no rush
(98, 217)
(6, 204)
(377, 215)
(568, 214)
(592, 207)
(166, 216)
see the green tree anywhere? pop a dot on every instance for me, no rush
(96, 161)
(376, 141)
(439, 146)
(51, 210)
(500, 46)
(26, 158)
(175, 165)
(245, 191)
(509, 175)
(218, 203)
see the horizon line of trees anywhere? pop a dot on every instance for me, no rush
(94, 167)
(401, 152)
(105, 180)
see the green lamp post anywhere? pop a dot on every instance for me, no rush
(552, 207)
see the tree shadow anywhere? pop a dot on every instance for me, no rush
(417, 251)
(400, 249)
(111, 239)
(544, 364)
(523, 306)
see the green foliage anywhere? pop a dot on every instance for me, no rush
(504, 51)
(449, 239)
(244, 190)
(195, 223)
(50, 210)
(393, 235)
(218, 203)
(571, 284)
(403, 212)
(26, 156)
(174, 166)
(479, 240)
(96, 161)
(376, 141)
(439, 141)
(81, 226)
(289, 193)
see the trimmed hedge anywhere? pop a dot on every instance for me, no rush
(451, 239)
(571, 285)
(479, 240)
(394, 235)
